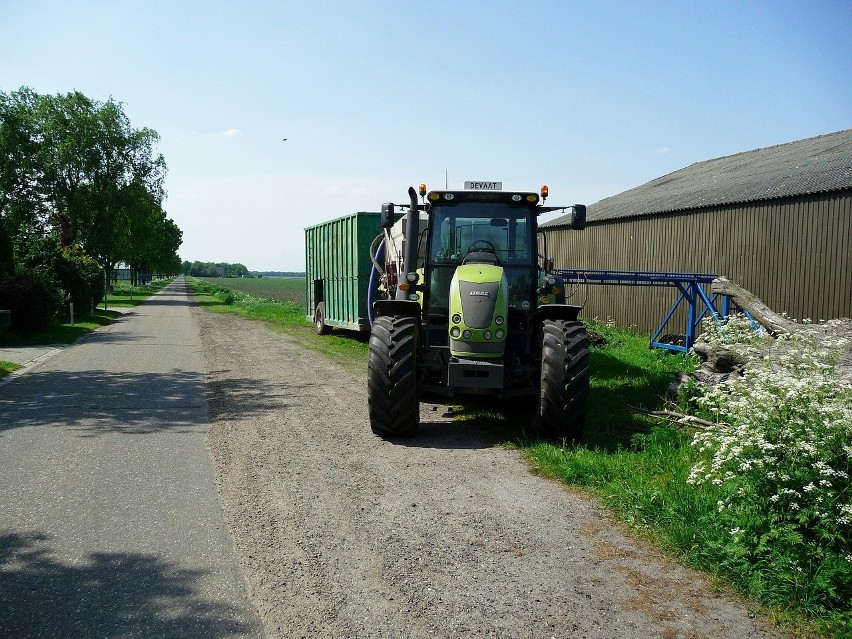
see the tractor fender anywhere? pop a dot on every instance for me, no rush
(568, 312)
(408, 308)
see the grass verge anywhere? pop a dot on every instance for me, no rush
(60, 333)
(7, 367)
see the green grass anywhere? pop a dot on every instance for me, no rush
(60, 333)
(7, 367)
(281, 289)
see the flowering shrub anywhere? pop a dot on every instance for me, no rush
(735, 329)
(781, 459)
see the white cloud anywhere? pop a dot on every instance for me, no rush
(663, 150)
(230, 133)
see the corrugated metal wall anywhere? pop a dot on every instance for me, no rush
(793, 253)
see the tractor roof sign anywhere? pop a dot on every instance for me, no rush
(483, 186)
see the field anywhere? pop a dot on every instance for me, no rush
(280, 289)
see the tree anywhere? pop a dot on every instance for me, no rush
(75, 170)
(23, 199)
(124, 186)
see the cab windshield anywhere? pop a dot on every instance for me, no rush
(471, 227)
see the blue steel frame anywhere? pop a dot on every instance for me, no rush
(689, 286)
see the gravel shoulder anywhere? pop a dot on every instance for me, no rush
(342, 534)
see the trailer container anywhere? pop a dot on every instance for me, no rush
(337, 271)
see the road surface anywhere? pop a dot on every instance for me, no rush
(110, 524)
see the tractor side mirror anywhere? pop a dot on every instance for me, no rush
(578, 217)
(387, 215)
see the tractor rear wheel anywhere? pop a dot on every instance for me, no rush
(564, 380)
(392, 396)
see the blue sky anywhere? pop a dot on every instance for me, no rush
(591, 98)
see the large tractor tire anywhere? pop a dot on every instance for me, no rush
(392, 395)
(564, 380)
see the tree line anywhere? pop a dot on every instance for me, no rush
(81, 190)
(215, 269)
(224, 269)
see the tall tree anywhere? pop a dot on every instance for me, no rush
(23, 200)
(75, 168)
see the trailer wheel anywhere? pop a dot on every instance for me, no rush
(392, 397)
(564, 380)
(319, 320)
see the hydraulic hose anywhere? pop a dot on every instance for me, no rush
(374, 249)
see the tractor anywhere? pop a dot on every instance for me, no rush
(467, 303)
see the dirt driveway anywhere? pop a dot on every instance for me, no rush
(342, 534)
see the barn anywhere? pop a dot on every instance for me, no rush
(777, 221)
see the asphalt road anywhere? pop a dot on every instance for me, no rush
(110, 523)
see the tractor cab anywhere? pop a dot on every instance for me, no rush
(466, 231)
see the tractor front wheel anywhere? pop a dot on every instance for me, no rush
(564, 380)
(392, 396)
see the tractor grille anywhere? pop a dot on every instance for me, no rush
(478, 302)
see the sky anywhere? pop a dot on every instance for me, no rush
(589, 97)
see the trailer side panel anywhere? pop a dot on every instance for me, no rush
(337, 269)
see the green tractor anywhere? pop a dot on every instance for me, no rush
(471, 307)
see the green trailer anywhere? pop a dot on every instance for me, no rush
(337, 271)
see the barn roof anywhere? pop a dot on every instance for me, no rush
(813, 165)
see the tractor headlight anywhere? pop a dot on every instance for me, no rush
(455, 332)
(467, 334)
(500, 333)
(499, 320)
(456, 319)
(413, 297)
(487, 335)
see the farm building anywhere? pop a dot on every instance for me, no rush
(777, 221)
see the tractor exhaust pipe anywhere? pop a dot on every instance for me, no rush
(412, 235)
